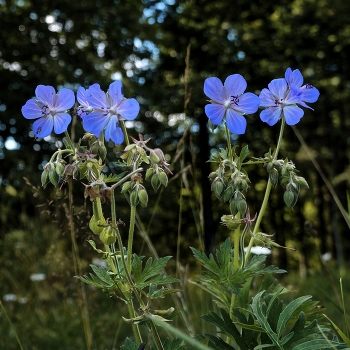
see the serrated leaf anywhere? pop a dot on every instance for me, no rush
(100, 279)
(129, 345)
(173, 344)
(113, 178)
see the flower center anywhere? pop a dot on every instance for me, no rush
(234, 100)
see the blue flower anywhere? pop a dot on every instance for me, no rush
(309, 93)
(230, 101)
(50, 109)
(106, 110)
(281, 99)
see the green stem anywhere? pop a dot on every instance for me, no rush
(228, 137)
(131, 235)
(125, 132)
(236, 240)
(69, 140)
(266, 196)
(156, 336)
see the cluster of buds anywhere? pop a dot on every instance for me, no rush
(284, 171)
(230, 185)
(96, 146)
(137, 192)
(156, 172)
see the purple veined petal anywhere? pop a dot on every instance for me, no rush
(294, 95)
(61, 122)
(31, 110)
(294, 77)
(46, 94)
(113, 131)
(235, 85)
(292, 114)
(43, 126)
(303, 104)
(248, 103)
(235, 121)
(267, 99)
(271, 115)
(96, 97)
(213, 88)
(310, 94)
(65, 100)
(115, 93)
(278, 88)
(215, 113)
(95, 122)
(81, 97)
(129, 109)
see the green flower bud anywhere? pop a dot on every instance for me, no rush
(244, 185)
(228, 194)
(95, 225)
(242, 206)
(155, 182)
(163, 178)
(126, 186)
(217, 186)
(273, 175)
(134, 198)
(59, 167)
(44, 177)
(230, 222)
(149, 173)
(269, 166)
(154, 158)
(212, 175)
(237, 182)
(302, 182)
(289, 198)
(233, 207)
(108, 235)
(54, 178)
(284, 172)
(143, 196)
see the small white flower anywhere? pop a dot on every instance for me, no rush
(259, 250)
(10, 297)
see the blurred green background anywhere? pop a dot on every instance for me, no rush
(163, 51)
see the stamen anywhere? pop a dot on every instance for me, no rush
(235, 100)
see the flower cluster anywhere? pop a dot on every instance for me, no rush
(99, 111)
(228, 101)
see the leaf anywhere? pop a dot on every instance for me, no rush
(343, 336)
(173, 344)
(113, 177)
(129, 345)
(100, 279)
(153, 272)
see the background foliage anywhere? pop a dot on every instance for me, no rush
(149, 44)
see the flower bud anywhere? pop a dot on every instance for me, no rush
(143, 196)
(149, 173)
(134, 198)
(155, 182)
(108, 235)
(126, 186)
(159, 154)
(269, 166)
(163, 179)
(233, 207)
(302, 182)
(244, 185)
(217, 186)
(212, 175)
(230, 221)
(44, 177)
(53, 176)
(59, 168)
(273, 176)
(228, 194)
(288, 198)
(242, 206)
(95, 225)
(154, 158)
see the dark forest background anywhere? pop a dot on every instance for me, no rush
(163, 51)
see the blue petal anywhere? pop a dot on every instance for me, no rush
(96, 97)
(113, 131)
(215, 113)
(95, 122)
(236, 123)
(81, 97)
(213, 88)
(248, 103)
(129, 109)
(310, 94)
(31, 110)
(278, 88)
(43, 126)
(266, 98)
(115, 93)
(294, 77)
(294, 95)
(235, 85)
(271, 115)
(292, 114)
(61, 122)
(65, 100)
(46, 94)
